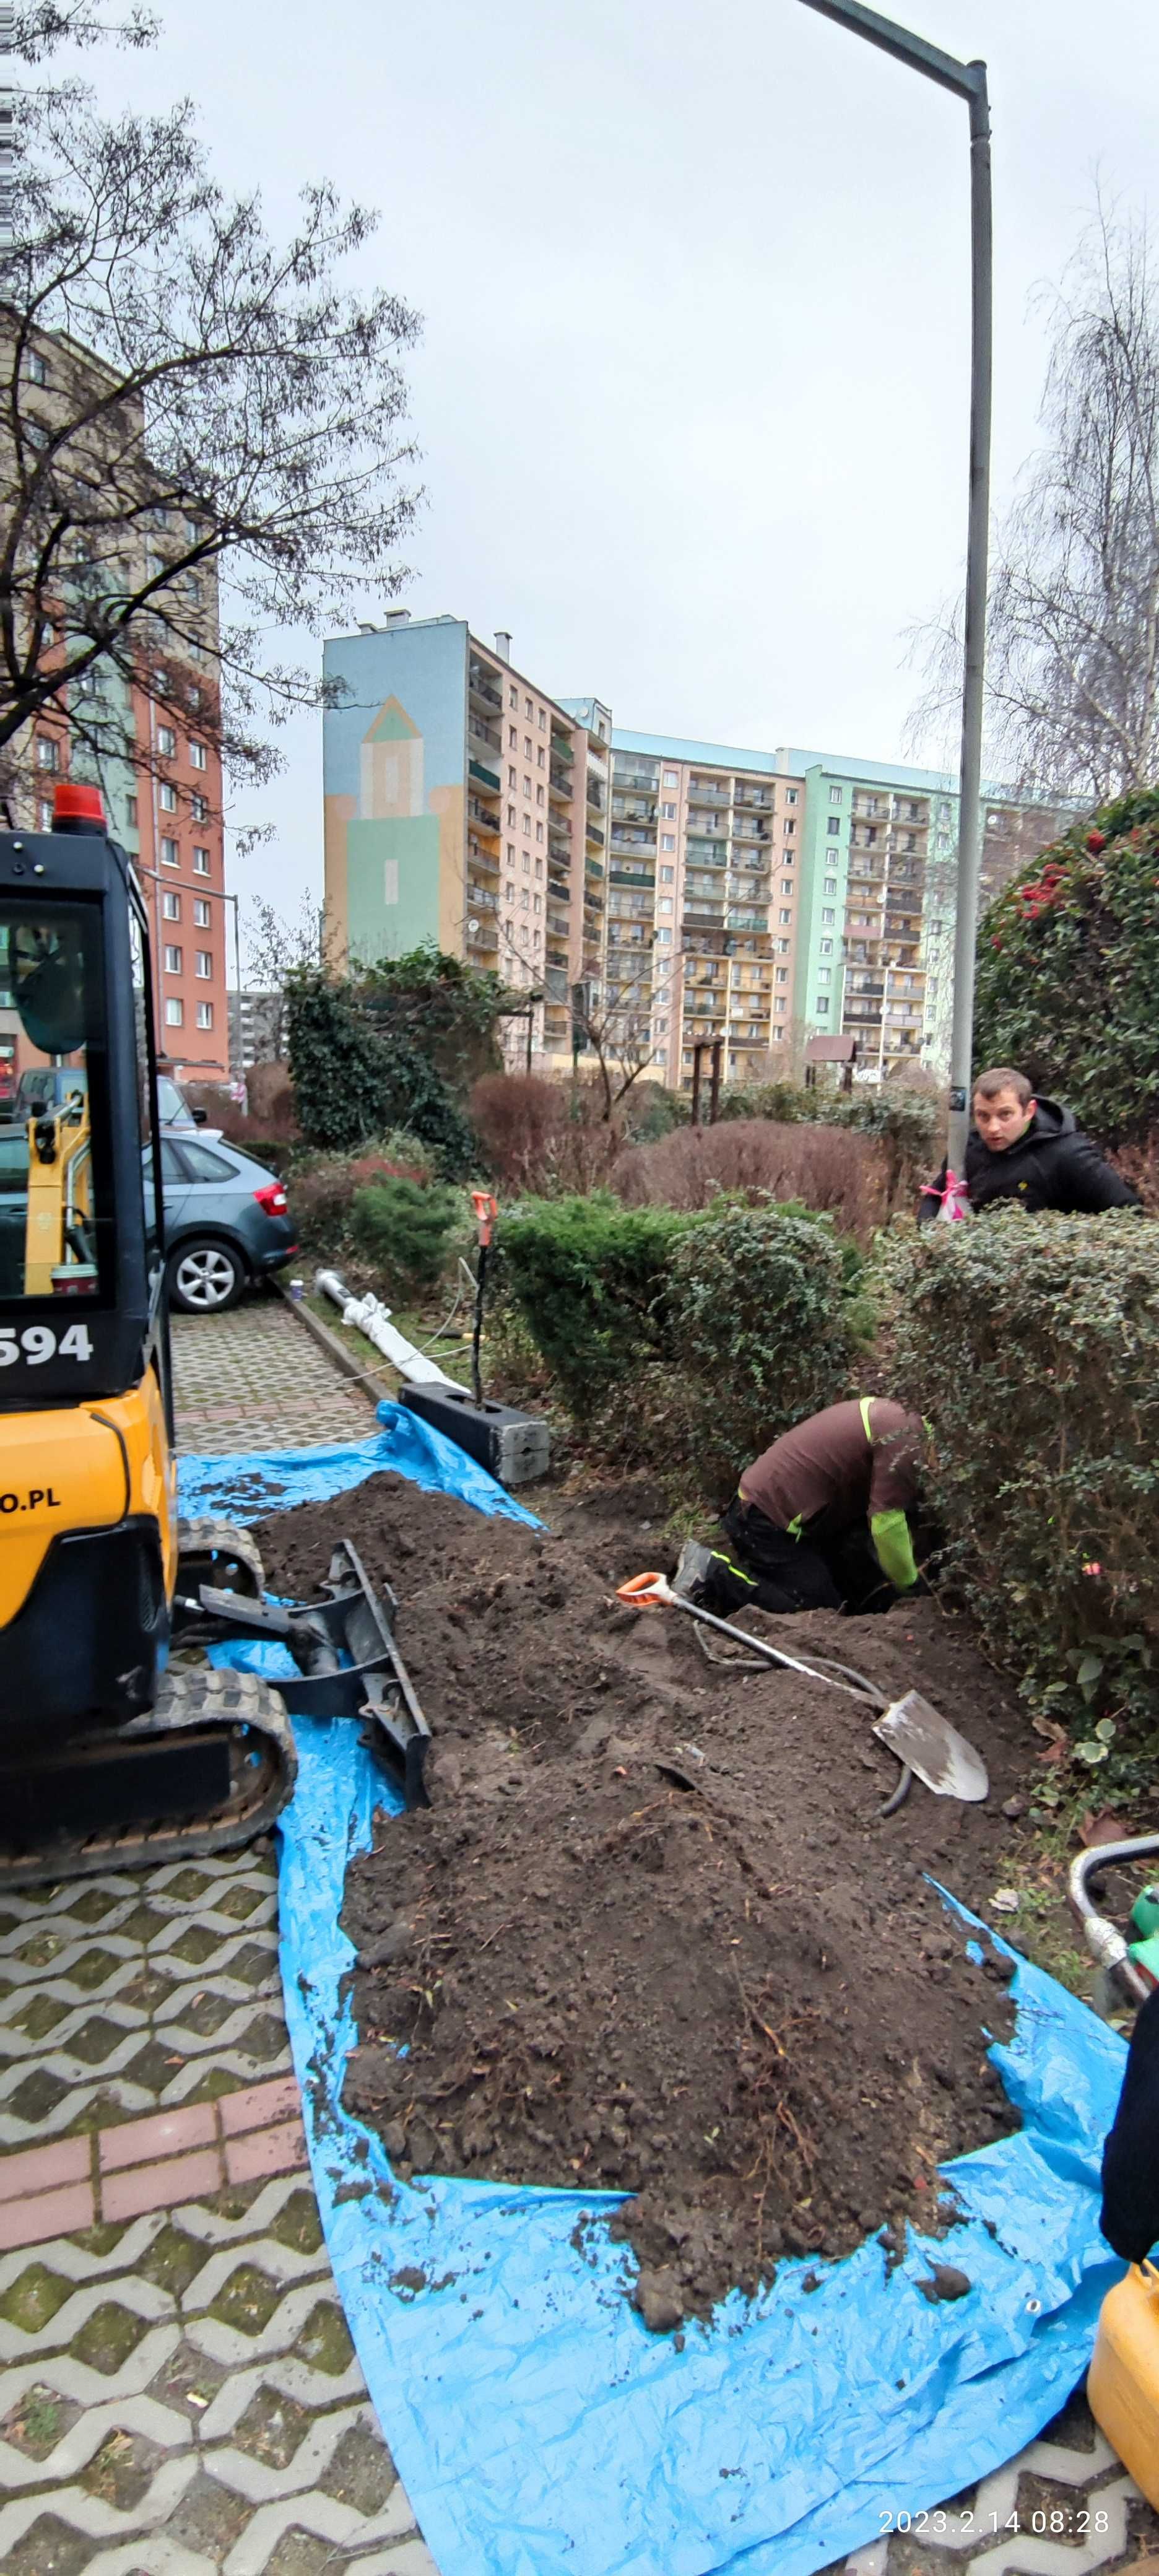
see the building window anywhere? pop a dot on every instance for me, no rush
(782, 974)
(204, 969)
(174, 1013)
(512, 779)
(44, 814)
(667, 840)
(665, 903)
(667, 876)
(834, 799)
(780, 1004)
(539, 867)
(511, 813)
(513, 733)
(201, 863)
(46, 752)
(201, 912)
(197, 755)
(788, 858)
(823, 1004)
(526, 861)
(205, 1015)
(131, 810)
(826, 948)
(827, 917)
(169, 854)
(539, 831)
(784, 916)
(199, 808)
(791, 796)
(543, 720)
(37, 370)
(527, 827)
(669, 813)
(167, 797)
(539, 796)
(830, 886)
(824, 974)
(671, 778)
(170, 906)
(527, 789)
(540, 756)
(166, 741)
(192, 587)
(173, 961)
(527, 746)
(539, 903)
(790, 828)
(834, 827)
(513, 698)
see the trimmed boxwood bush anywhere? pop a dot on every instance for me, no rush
(590, 1280)
(1033, 1344)
(691, 1339)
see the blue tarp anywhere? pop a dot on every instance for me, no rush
(539, 2429)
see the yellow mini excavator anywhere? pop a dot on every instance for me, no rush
(111, 1754)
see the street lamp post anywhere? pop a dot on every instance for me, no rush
(967, 81)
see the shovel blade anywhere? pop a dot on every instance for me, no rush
(933, 1748)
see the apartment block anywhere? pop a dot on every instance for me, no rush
(465, 805)
(703, 897)
(860, 960)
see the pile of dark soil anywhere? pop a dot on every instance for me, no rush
(652, 1936)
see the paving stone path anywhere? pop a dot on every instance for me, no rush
(254, 1379)
(178, 2390)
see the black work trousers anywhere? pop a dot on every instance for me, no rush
(763, 1566)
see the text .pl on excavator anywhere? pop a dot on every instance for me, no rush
(108, 1754)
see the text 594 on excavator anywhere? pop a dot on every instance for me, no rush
(108, 1756)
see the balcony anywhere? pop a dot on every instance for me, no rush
(630, 773)
(707, 854)
(640, 809)
(484, 777)
(560, 747)
(559, 784)
(759, 797)
(482, 858)
(482, 686)
(707, 791)
(748, 921)
(482, 815)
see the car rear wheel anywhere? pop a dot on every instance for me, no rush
(205, 1277)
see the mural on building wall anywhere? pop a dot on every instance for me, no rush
(394, 796)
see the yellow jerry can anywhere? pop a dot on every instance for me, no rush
(1123, 2380)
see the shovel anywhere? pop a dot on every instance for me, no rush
(923, 1741)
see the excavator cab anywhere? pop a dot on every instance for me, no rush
(105, 1754)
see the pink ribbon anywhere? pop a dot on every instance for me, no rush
(950, 1198)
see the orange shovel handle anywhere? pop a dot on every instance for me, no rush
(640, 1592)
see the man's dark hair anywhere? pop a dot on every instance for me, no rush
(1002, 1077)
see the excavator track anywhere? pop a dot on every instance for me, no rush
(227, 1728)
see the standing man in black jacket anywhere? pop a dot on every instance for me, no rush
(1031, 1151)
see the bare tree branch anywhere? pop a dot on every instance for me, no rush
(1073, 680)
(200, 435)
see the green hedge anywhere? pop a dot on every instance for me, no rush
(589, 1278)
(1033, 1344)
(1068, 972)
(692, 1338)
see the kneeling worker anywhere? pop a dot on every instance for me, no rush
(820, 1521)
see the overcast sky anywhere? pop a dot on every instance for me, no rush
(691, 395)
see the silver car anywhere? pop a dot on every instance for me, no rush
(226, 1221)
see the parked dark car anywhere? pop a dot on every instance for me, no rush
(226, 1221)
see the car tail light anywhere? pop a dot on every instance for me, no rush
(273, 1199)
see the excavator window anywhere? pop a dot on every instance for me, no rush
(57, 1231)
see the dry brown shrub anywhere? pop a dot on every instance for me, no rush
(831, 1168)
(542, 1138)
(517, 1118)
(1139, 1164)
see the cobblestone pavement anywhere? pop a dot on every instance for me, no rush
(178, 2391)
(254, 1379)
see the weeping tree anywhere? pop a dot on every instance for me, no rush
(1073, 655)
(201, 434)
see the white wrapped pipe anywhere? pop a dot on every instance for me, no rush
(371, 1317)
